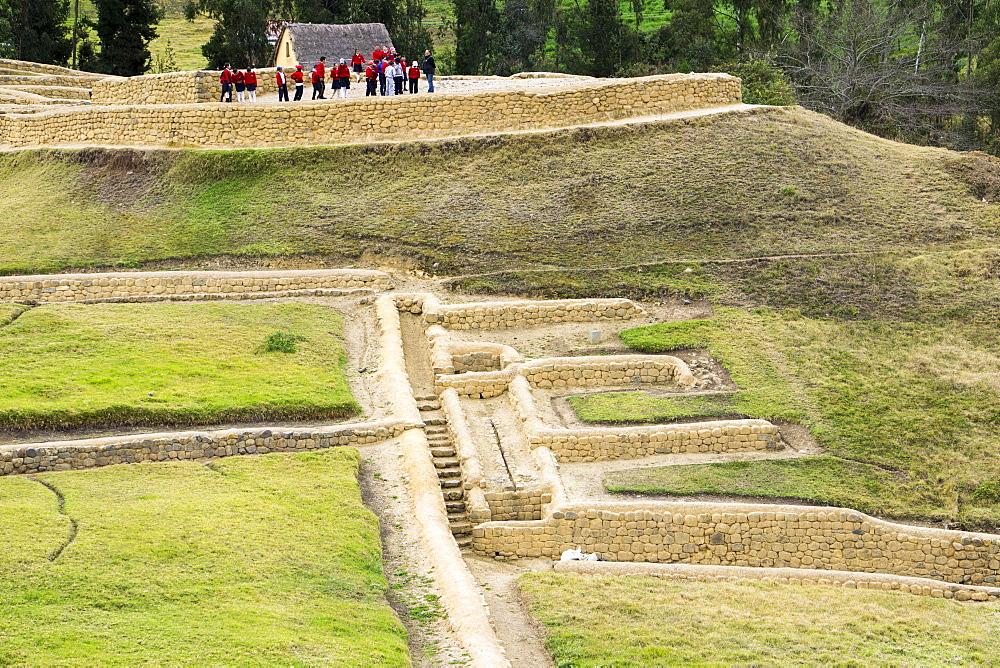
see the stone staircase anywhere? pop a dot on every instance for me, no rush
(448, 467)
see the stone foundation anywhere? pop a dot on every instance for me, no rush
(748, 535)
(88, 287)
(362, 119)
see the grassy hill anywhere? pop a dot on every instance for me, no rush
(856, 281)
(735, 186)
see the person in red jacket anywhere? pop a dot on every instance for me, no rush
(298, 78)
(414, 77)
(358, 65)
(371, 78)
(318, 79)
(240, 83)
(250, 79)
(341, 76)
(226, 79)
(318, 73)
(282, 84)
(378, 54)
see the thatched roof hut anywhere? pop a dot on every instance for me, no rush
(304, 43)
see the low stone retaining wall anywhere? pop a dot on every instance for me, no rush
(749, 535)
(69, 455)
(560, 372)
(557, 372)
(40, 68)
(495, 315)
(46, 80)
(510, 505)
(174, 88)
(52, 92)
(791, 576)
(84, 287)
(366, 119)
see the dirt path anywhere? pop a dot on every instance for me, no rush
(521, 636)
(412, 592)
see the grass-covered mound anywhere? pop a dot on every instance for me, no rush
(625, 407)
(269, 560)
(73, 365)
(919, 398)
(639, 621)
(825, 480)
(737, 185)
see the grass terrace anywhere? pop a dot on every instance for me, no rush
(630, 622)
(107, 365)
(268, 560)
(640, 407)
(917, 399)
(823, 480)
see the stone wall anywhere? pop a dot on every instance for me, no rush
(52, 92)
(748, 535)
(494, 315)
(40, 68)
(789, 576)
(367, 119)
(67, 455)
(594, 371)
(513, 505)
(172, 88)
(47, 80)
(560, 372)
(142, 285)
(600, 443)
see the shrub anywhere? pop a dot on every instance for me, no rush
(282, 342)
(763, 83)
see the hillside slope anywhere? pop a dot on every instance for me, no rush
(766, 182)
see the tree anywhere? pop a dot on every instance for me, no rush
(871, 65)
(476, 26)
(602, 37)
(125, 28)
(35, 30)
(240, 35)
(524, 27)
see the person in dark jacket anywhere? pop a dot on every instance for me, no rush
(281, 81)
(429, 68)
(226, 79)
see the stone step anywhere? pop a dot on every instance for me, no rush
(443, 451)
(425, 397)
(449, 483)
(455, 506)
(445, 462)
(464, 540)
(453, 494)
(435, 430)
(461, 528)
(428, 406)
(434, 419)
(449, 473)
(438, 439)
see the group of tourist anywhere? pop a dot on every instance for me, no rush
(385, 74)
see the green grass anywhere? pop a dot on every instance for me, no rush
(917, 397)
(825, 480)
(71, 365)
(619, 407)
(269, 560)
(595, 198)
(637, 621)
(185, 39)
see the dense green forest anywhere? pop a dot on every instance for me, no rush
(922, 71)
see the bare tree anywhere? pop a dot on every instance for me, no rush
(880, 67)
